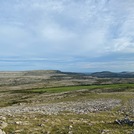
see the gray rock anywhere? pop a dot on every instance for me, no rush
(80, 107)
(18, 122)
(2, 118)
(19, 131)
(105, 131)
(3, 124)
(2, 132)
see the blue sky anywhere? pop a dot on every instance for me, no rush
(67, 35)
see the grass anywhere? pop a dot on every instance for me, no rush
(92, 123)
(67, 122)
(97, 88)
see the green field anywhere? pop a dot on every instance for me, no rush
(101, 88)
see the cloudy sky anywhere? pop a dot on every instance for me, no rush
(67, 35)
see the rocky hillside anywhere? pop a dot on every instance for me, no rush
(107, 74)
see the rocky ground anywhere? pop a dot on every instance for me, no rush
(55, 108)
(76, 112)
(69, 112)
(26, 111)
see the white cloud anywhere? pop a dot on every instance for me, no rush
(48, 5)
(66, 28)
(121, 45)
(53, 32)
(108, 66)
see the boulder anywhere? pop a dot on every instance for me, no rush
(3, 124)
(2, 118)
(2, 132)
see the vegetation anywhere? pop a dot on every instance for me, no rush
(66, 123)
(31, 89)
(97, 88)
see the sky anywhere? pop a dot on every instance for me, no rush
(67, 35)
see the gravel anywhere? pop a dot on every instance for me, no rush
(80, 107)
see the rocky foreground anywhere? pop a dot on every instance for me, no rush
(55, 108)
(80, 107)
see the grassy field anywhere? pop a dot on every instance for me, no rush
(66, 122)
(103, 88)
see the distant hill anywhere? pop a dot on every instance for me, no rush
(59, 74)
(108, 74)
(41, 72)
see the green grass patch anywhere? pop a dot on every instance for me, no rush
(96, 88)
